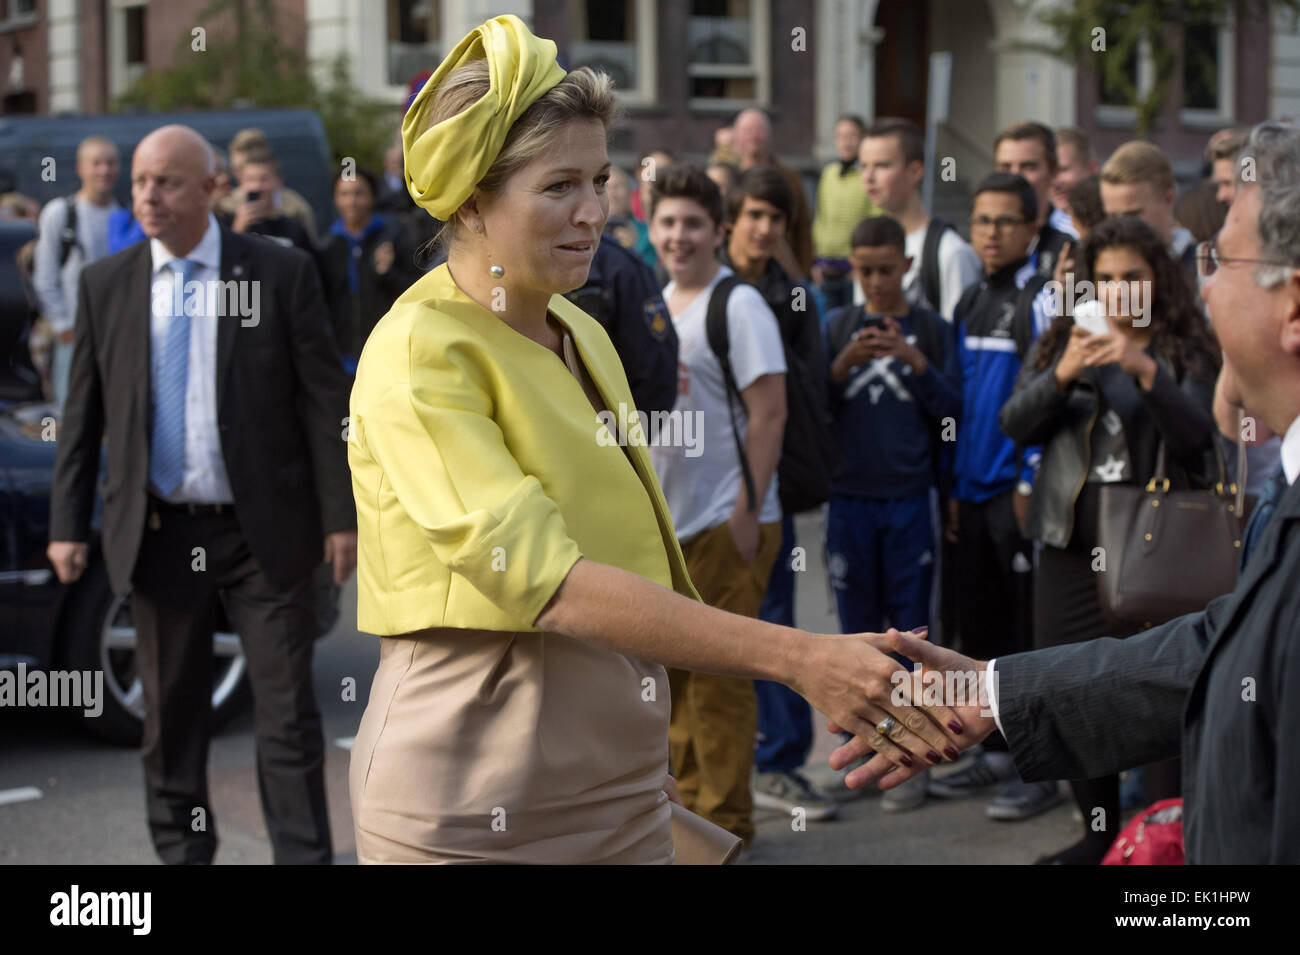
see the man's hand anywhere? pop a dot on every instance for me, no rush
(973, 716)
(69, 559)
(672, 792)
(67, 337)
(341, 551)
(384, 256)
(850, 678)
(952, 528)
(743, 528)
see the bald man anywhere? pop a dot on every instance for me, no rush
(753, 145)
(227, 480)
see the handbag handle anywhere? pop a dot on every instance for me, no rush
(1160, 482)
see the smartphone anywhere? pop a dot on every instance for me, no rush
(252, 195)
(871, 321)
(1091, 317)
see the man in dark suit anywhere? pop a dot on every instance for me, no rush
(207, 359)
(1221, 687)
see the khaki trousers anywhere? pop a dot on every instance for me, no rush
(714, 718)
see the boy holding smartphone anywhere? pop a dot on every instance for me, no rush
(894, 390)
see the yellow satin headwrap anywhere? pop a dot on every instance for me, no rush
(445, 162)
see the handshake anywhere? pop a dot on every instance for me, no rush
(909, 720)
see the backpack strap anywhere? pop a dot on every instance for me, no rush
(715, 327)
(841, 327)
(68, 234)
(930, 278)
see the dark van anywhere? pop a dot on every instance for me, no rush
(296, 136)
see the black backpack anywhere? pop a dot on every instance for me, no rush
(929, 278)
(68, 234)
(808, 450)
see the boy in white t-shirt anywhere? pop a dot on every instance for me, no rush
(730, 542)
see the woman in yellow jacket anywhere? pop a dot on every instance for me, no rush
(519, 563)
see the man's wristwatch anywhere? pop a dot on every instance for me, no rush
(1025, 488)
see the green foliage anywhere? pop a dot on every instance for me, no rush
(247, 62)
(1126, 23)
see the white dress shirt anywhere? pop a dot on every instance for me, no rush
(1291, 451)
(1291, 467)
(205, 479)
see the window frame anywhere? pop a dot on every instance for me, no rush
(759, 68)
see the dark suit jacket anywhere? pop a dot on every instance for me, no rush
(282, 397)
(1220, 687)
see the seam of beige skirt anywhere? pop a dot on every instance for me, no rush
(397, 685)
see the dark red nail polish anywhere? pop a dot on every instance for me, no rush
(934, 757)
(955, 727)
(951, 752)
(905, 760)
(919, 631)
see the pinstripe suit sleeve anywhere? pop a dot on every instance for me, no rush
(1094, 708)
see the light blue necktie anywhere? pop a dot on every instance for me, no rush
(170, 382)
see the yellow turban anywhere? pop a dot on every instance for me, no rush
(445, 162)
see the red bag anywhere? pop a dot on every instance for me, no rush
(1153, 837)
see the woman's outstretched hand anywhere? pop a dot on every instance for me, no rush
(851, 679)
(948, 686)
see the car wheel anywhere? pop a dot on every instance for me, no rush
(97, 634)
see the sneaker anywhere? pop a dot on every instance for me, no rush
(839, 792)
(984, 772)
(1021, 800)
(910, 795)
(787, 791)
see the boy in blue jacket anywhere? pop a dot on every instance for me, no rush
(894, 392)
(995, 330)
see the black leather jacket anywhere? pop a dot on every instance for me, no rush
(1038, 412)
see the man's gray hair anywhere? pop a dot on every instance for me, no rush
(1274, 150)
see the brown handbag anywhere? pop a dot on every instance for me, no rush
(1166, 552)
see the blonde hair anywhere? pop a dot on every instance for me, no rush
(582, 94)
(1136, 162)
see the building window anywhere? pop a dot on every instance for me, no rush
(414, 38)
(1207, 72)
(135, 48)
(615, 37)
(727, 52)
(1120, 94)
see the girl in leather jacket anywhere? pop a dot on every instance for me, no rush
(1100, 405)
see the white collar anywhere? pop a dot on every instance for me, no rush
(1291, 451)
(207, 253)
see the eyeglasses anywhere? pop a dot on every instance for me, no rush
(1000, 223)
(1208, 259)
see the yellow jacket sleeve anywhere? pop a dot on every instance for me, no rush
(445, 460)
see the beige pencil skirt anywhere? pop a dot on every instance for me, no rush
(488, 746)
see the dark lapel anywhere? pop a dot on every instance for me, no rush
(138, 318)
(235, 266)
